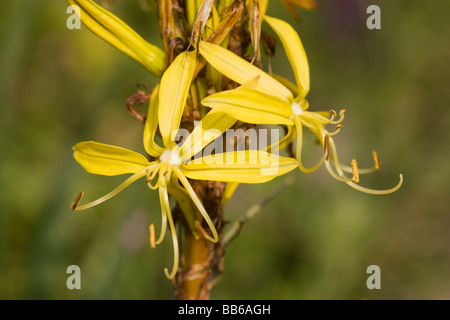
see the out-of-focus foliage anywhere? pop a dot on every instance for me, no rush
(60, 86)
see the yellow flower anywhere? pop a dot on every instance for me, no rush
(174, 164)
(118, 34)
(269, 101)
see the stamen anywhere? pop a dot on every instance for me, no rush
(165, 210)
(298, 124)
(333, 113)
(338, 177)
(198, 204)
(108, 196)
(376, 160)
(77, 200)
(173, 232)
(335, 132)
(348, 169)
(151, 175)
(326, 147)
(201, 229)
(355, 178)
(377, 192)
(339, 174)
(316, 117)
(152, 236)
(351, 183)
(341, 112)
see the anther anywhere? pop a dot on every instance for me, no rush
(341, 112)
(152, 236)
(376, 160)
(339, 126)
(326, 147)
(333, 113)
(77, 200)
(355, 172)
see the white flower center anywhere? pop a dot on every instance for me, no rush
(296, 109)
(171, 156)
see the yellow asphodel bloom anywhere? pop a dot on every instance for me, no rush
(175, 163)
(118, 34)
(269, 101)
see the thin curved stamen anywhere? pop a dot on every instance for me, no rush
(341, 117)
(314, 116)
(283, 142)
(336, 162)
(328, 141)
(298, 124)
(333, 115)
(348, 169)
(334, 174)
(376, 166)
(198, 204)
(377, 192)
(335, 132)
(341, 176)
(151, 175)
(108, 196)
(173, 232)
(163, 200)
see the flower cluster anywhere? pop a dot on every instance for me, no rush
(210, 74)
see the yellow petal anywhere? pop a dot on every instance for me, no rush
(251, 106)
(241, 71)
(287, 83)
(174, 91)
(118, 34)
(250, 166)
(229, 191)
(213, 124)
(263, 7)
(294, 51)
(151, 125)
(107, 160)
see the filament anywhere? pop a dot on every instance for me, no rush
(377, 192)
(108, 196)
(151, 175)
(341, 176)
(164, 202)
(298, 124)
(198, 204)
(173, 232)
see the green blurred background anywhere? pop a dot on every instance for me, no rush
(314, 241)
